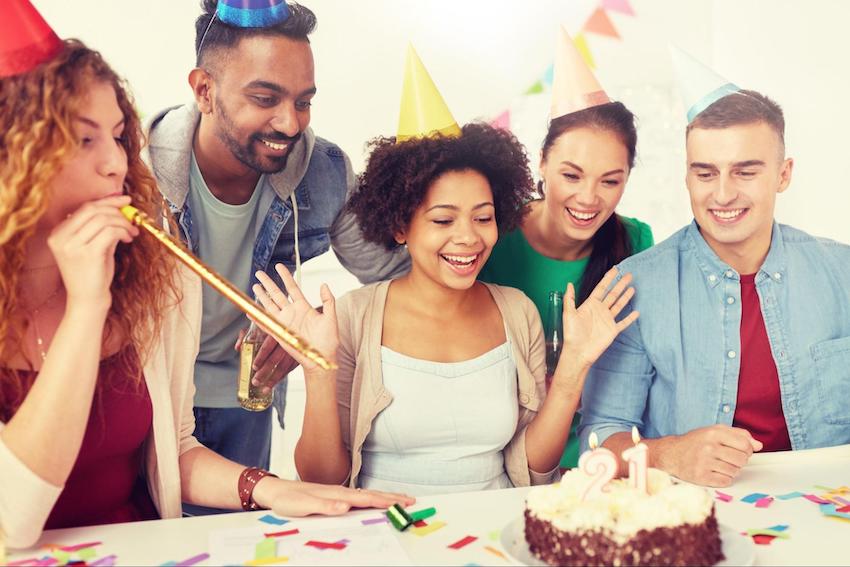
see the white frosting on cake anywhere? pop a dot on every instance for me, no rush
(622, 511)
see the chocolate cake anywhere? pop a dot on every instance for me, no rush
(672, 524)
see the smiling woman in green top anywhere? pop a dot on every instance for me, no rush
(572, 233)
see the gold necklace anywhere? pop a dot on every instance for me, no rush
(35, 311)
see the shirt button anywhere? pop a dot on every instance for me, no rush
(730, 300)
(777, 276)
(712, 278)
(729, 273)
(731, 354)
(726, 408)
(523, 398)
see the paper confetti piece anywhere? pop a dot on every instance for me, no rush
(843, 509)
(461, 543)
(723, 497)
(429, 529)
(268, 561)
(815, 499)
(494, 535)
(420, 524)
(830, 510)
(841, 501)
(293, 531)
(764, 502)
(269, 519)
(22, 562)
(345, 541)
(495, 552)
(423, 514)
(763, 539)
(265, 549)
(61, 557)
(824, 488)
(778, 528)
(73, 548)
(791, 495)
(325, 545)
(774, 533)
(108, 561)
(87, 553)
(753, 498)
(169, 564)
(370, 521)
(194, 560)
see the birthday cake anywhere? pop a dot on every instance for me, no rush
(669, 524)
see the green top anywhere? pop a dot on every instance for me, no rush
(515, 263)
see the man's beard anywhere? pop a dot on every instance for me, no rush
(247, 153)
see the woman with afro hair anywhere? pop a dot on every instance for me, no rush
(440, 386)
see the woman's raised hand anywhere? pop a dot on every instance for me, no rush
(292, 309)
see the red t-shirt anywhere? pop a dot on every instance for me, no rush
(759, 406)
(105, 486)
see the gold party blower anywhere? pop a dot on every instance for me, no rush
(227, 289)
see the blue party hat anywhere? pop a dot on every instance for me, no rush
(252, 13)
(700, 86)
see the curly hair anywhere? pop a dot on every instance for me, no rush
(37, 139)
(398, 176)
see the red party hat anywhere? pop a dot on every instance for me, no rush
(26, 40)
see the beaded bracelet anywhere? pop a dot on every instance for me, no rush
(247, 482)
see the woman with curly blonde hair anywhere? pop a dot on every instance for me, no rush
(100, 328)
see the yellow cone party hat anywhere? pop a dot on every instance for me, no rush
(423, 110)
(574, 87)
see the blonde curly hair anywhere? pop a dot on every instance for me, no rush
(37, 139)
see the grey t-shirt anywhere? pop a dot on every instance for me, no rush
(226, 237)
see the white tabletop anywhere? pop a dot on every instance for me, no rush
(814, 539)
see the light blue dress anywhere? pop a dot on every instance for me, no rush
(446, 427)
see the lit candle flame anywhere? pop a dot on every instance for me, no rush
(635, 435)
(593, 440)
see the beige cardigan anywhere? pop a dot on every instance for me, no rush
(26, 499)
(361, 395)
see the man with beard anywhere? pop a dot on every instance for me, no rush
(250, 185)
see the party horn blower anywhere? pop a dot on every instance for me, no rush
(227, 289)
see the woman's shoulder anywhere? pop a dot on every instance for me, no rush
(510, 299)
(640, 233)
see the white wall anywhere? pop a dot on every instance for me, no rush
(483, 54)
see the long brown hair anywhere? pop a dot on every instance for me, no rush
(37, 139)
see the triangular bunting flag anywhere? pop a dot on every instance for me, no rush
(549, 74)
(600, 23)
(502, 121)
(621, 6)
(536, 88)
(584, 50)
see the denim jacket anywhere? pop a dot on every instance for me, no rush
(676, 368)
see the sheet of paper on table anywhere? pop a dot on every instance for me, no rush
(365, 545)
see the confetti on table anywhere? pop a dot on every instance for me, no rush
(108, 561)
(267, 561)
(778, 528)
(420, 524)
(764, 502)
(269, 519)
(842, 501)
(495, 552)
(494, 535)
(769, 532)
(194, 560)
(62, 557)
(370, 521)
(265, 549)
(843, 509)
(293, 531)
(723, 497)
(763, 539)
(815, 499)
(461, 543)
(423, 514)
(830, 510)
(429, 529)
(753, 498)
(87, 553)
(73, 548)
(791, 495)
(325, 545)
(824, 488)
(169, 564)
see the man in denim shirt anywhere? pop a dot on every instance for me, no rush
(250, 186)
(743, 340)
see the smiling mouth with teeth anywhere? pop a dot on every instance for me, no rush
(727, 215)
(460, 261)
(582, 216)
(274, 146)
